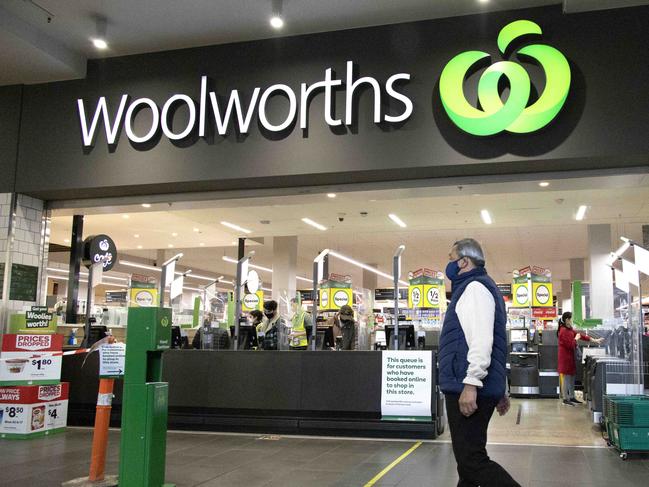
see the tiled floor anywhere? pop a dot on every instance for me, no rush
(210, 460)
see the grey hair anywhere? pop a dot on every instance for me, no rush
(469, 247)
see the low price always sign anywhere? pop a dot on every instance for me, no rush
(406, 385)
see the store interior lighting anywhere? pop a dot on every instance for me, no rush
(314, 224)
(363, 266)
(235, 227)
(397, 220)
(581, 213)
(276, 19)
(486, 217)
(260, 268)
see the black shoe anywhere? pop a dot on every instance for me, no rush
(568, 403)
(575, 401)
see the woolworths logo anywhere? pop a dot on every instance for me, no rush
(513, 115)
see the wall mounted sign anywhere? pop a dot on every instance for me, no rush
(98, 247)
(513, 115)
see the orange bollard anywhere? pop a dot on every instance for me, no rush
(100, 434)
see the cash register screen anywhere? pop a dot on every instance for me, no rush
(518, 336)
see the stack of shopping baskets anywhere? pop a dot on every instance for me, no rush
(627, 423)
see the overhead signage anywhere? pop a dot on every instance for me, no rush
(387, 294)
(143, 295)
(335, 298)
(513, 115)
(99, 248)
(406, 385)
(234, 112)
(521, 294)
(542, 294)
(252, 301)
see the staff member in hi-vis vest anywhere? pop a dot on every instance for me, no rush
(301, 326)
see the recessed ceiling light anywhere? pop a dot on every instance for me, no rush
(486, 217)
(317, 225)
(397, 220)
(544, 184)
(171, 246)
(136, 235)
(202, 244)
(175, 234)
(196, 229)
(139, 246)
(146, 205)
(276, 22)
(66, 240)
(331, 195)
(236, 227)
(126, 217)
(581, 213)
(483, 1)
(100, 43)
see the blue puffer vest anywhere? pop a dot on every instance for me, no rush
(453, 348)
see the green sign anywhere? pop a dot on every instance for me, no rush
(24, 282)
(513, 115)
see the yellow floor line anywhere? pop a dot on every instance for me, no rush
(382, 473)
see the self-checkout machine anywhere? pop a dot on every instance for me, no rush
(146, 397)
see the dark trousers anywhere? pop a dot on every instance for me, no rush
(469, 437)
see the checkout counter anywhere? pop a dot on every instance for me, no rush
(282, 392)
(533, 364)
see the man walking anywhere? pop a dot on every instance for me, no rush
(472, 364)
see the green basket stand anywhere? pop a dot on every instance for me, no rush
(627, 423)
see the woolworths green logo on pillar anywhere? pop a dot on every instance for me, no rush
(513, 115)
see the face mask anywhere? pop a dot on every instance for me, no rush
(269, 315)
(452, 269)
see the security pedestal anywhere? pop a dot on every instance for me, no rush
(145, 403)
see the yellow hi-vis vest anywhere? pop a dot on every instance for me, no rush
(298, 326)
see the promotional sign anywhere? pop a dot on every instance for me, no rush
(252, 301)
(406, 385)
(544, 313)
(415, 296)
(111, 360)
(427, 289)
(335, 298)
(143, 295)
(541, 294)
(99, 248)
(434, 296)
(28, 359)
(520, 293)
(37, 320)
(28, 411)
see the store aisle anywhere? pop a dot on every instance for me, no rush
(210, 460)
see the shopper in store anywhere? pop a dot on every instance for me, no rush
(211, 338)
(568, 341)
(472, 364)
(268, 331)
(344, 328)
(301, 327)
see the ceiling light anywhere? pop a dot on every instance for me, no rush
(308, 221)
(581, 213)
(486, 217)
(171, 246)
(146, 205)
(100, 43)
(126, 217)
(137, 235)
(276, 22)
(139, 246)
(202, 244)
(66, 240)
(175, 234)
(196, 229)
(252, 266)
(236, 227)
(331, 195)
(140, 266)
(364, 266)
(397, 220)
(544, 184)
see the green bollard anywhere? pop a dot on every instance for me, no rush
(145, 402)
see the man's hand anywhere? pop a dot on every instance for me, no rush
(468, 400)
(503, 406)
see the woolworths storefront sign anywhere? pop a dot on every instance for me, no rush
(235, 111)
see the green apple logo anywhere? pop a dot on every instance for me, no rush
(513, 115)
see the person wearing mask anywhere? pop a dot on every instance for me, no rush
(301, 327)
(268, 330)
(344, 327)
(472, 364)
(568, 339)
(211, 338)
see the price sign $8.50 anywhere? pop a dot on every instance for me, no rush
(12, 411)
